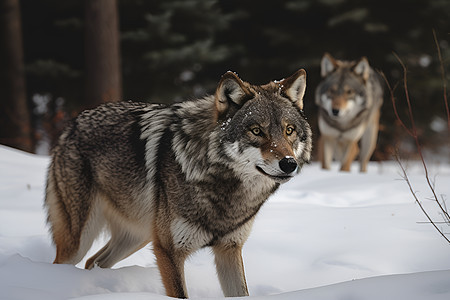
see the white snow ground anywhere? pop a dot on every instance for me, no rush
(323, 235)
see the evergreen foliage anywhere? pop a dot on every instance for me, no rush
(174, 49)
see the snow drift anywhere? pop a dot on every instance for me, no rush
(323, 235)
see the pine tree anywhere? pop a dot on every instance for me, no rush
(15, 129)
(102, 67)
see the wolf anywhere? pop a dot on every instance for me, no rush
(349, 98)
(185, 176)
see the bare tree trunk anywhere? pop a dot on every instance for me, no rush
(102, 50)
(15, 129)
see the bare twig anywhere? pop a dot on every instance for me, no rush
(431, 221)
(394, 105)
(413, 133)
(416, 137)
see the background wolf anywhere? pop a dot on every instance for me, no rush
(183, 177)
(349, 99)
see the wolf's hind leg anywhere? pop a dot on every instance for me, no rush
(91, 230)
(122, 244)
(113, 252)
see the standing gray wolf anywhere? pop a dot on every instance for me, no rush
(349, 99)
(185, 176)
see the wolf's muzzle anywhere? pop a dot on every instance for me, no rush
(288, 164)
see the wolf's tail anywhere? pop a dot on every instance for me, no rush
(69, 200)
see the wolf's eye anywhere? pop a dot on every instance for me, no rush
(256, 130)
(289, 130)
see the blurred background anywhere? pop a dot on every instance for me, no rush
(60, 57)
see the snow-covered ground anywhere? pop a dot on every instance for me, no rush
(323, 235)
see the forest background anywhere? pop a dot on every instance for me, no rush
(60, 57)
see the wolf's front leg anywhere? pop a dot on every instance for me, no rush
(327, 145)
(171, 266)
(351, 150)
(230, 269)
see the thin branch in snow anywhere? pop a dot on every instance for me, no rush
(412, 131)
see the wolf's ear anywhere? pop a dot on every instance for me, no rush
(231, 91)
(362, 68)
(327, 65)
(294, 87)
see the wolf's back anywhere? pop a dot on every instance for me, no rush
(107, 138)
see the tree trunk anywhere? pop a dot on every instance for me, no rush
(102, 50)
(15, 129)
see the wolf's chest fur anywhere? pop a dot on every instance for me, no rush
(210, 209)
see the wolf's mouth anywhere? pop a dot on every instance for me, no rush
(279, 178)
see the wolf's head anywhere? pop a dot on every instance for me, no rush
(263, 130)
(342, 92)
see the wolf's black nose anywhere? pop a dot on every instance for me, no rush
(335, 112)
(288, 164)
